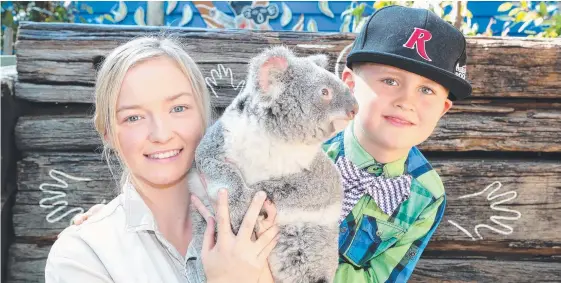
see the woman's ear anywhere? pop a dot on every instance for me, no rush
(108, 140)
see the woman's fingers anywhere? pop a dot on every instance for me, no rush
(80, 218)
(223, 215)
(250, 218)
(208, 239)
(264, 224)
(267, 242)
(94, 209)
(201, 208)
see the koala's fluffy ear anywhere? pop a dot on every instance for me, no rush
(271, 69)
(320, 59)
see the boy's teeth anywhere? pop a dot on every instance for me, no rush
(163, 155)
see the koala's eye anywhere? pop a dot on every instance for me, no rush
(326, 94)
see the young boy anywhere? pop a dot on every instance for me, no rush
(405, 68)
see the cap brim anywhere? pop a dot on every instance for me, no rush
(459, 88)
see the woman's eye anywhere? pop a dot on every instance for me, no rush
(131, 119)
(179, 109)
(426, 90)
(390, 82)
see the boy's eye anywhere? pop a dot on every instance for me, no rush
(390, 82)
(179, 108)
(426, 90)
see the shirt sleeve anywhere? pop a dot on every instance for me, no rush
(72, 260)
(397, 263)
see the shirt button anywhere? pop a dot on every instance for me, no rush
(378, 233)
(373, 169)
(343, 230)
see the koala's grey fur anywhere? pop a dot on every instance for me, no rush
(276, 147)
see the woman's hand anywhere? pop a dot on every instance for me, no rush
(80, 218)
(236, 258)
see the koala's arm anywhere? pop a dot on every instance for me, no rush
(221, 174)
(316, 187)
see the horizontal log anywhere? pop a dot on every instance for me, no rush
(67, 54)
(479, 126)
(221, 88)
(509, 202)
(56, 133)
(52, 189)
(27, 264)
(481, 270)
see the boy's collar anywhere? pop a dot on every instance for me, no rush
(362, 159)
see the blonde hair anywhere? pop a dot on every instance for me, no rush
(110, 78)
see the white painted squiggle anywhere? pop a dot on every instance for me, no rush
(58, 197)
(502, 198)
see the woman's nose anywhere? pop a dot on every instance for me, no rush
(161, 131)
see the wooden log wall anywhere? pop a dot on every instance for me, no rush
(499, 153)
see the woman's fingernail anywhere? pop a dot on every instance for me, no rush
(261, 194)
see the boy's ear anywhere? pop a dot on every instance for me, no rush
(348, 78)
(447, 105)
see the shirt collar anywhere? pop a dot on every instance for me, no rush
(138, 215)
(361, 158)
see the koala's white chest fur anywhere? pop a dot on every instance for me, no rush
(260, 156)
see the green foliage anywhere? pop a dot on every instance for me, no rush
(540, 14)
(356, 11)
(41, 11)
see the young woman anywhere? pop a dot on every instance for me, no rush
(152, 108)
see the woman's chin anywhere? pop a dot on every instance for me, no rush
(163, 180)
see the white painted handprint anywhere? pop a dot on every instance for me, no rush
(496, 200)
(222, 73)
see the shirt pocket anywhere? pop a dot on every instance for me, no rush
(372, 237)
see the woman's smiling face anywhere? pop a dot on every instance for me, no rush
(158, 122)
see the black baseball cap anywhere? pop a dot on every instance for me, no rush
(418, 41)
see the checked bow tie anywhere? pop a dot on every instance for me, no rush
(388, 193)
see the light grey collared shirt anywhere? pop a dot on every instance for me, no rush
(120, 243)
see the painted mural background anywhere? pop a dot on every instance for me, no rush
(513, 18)
(473, 18)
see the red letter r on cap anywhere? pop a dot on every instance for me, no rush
(418, 39)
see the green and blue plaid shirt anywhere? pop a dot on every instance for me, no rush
(377, 247)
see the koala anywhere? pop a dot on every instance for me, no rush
(270, 138)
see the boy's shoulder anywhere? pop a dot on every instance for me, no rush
(423, 172)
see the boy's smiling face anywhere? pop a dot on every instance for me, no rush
(397, 109)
